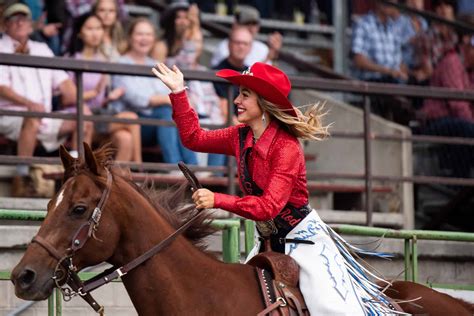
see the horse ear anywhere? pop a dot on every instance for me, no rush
(91, 162)
(66, 158)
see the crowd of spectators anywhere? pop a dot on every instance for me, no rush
(391, 47)
(387, 46)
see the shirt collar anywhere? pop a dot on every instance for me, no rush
(12, 42)
(263, 143)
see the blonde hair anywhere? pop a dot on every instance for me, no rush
(306, 126)
(116, 33)
(131, 28)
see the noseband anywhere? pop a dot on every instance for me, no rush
(83, 289)
(65, 269)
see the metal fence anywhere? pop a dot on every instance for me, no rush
(347, 86)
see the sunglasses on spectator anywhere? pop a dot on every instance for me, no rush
(18, 18)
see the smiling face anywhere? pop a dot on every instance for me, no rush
(142, 38)
(92, 32)
(248, 110)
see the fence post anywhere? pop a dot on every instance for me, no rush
(414, 259)
(407, 259)
(51, 305)
(249, 227)
(59, 302)
(230, 243)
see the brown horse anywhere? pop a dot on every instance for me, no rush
(182, 279)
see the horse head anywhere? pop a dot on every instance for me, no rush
(70, 234)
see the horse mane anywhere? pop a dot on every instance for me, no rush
(465, 304)
(168, 203)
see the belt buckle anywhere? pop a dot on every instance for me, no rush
(266, 228)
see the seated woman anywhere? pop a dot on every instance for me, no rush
(89, 33)
(149, 97)
(182, 38)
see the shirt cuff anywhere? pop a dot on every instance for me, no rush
(225, 201)
(179, 101)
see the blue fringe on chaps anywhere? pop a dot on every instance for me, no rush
(331, 280)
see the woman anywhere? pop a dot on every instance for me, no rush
(182, 40)
(148, 97)
(272, 175)
(114, 39)
(88, 35)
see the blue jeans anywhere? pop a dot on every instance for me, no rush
(166, 137)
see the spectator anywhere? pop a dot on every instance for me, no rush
(440, 38)
(31, 89)
(182, 37)
(88, 34)
(453, 117)
(411, 28)
(45, 30)
(249, 17)
(240, 41)
(114, 39)
(149, 97)
(376, 47)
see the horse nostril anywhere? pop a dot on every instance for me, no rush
(26, 278)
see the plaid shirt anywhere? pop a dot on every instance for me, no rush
(378, 42)
(449, 73)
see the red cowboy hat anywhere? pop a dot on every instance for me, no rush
(267, 81)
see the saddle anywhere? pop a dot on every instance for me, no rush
(278, 276)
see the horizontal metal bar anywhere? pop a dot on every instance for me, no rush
(99, 118)
(465, 287)
(402, 234)
(273, 24)
(225, 223)
(431, 16)
(298, 82)
(22, 215)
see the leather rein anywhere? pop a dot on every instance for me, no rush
(67, 273)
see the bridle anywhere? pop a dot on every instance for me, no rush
(65, 269)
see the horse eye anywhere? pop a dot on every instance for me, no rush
(79, 210)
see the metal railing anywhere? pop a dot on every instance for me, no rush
(298, 82)
(410, 238)
(230, 247)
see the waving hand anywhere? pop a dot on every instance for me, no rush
(172, 78)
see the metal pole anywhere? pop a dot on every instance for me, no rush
(408, 266)
(249, 226)
(51, 305)
(368, 163)
(80, 113)
(414, 260)
(59, 305)
(339, 38)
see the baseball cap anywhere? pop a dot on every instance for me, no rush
(15, 9)
(245, 14)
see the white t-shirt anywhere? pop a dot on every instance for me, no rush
(36, 84)
(258, 52)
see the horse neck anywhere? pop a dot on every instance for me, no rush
(179, 268)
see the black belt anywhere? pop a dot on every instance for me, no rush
(282, 224)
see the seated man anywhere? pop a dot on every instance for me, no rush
(249, 17)
(453, 118)
(31, 89)
(240, 41)
(376, 47)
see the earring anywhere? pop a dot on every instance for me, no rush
(264, 120)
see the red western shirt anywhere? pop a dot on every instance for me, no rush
(276, 163)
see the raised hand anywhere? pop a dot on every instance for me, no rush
(173, 78)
